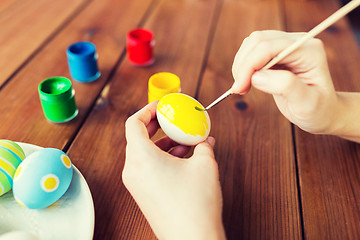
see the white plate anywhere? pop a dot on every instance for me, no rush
(71, 217)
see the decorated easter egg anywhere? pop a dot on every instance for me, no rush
(180, 121)
(11, 155)
(42, 178)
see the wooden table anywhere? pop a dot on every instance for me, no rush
(278, 182)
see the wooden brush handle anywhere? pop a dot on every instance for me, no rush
(313, 32)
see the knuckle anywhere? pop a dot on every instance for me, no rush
(248, 40)
(256, 36)
(245, 40)
(129, 121)
(317, 48)
(125, 176)
(264, 46)
(317, 42)
(288, 85)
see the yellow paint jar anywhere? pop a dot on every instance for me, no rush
(161, 84)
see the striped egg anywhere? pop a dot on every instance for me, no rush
(11, 155)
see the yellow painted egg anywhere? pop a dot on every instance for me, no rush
(180, 121)
(11, 155)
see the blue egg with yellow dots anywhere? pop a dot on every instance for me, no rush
(42, 178)
(11, 155)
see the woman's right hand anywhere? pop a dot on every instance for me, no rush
(302, 88)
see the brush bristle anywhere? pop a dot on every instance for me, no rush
(199, 109)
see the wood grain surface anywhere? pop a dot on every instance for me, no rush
(278, 182)
(106, 27)
(26, 26)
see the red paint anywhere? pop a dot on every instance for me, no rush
(140, 45)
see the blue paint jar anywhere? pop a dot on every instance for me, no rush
(82, 61)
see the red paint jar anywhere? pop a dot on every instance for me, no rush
(139, 46)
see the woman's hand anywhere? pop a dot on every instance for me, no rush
(302, 87)
(180, 198)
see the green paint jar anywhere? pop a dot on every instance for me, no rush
(57, 99)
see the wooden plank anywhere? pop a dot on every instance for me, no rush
(254, 146)
(106, 27)
(181, 30)
(26, 25)
(6, 4)
(328, 166)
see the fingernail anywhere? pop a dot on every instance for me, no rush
(235, 88)
(259, 78)
(211, 141)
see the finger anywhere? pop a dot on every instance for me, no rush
(283, 83)
(261, 54)
(246, 48)
(211, 141)
(205, 148)
(263, 48)
(180, 151)
(135, 126)
(252, 41)
(166, 143)
(152, 127)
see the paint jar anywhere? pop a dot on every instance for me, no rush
(57, 99)
(161, 84)
(82, 62)
(139, 46)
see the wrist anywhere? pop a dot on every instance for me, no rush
(334, 117)
(346, 116)
(213, 230)
(214, 233)
(217, 232)
(210, 228)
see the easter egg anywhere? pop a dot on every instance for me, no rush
(42, 178)
(180, 121)
(11, 155)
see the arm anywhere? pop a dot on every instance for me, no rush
(302, 88)
(180, 198)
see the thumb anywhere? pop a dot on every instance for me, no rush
(280, 82)
(205, 148)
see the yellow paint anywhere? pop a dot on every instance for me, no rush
(50, 183)
(7, 167)
(66, 161)
(180, 110)
(162, 83)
